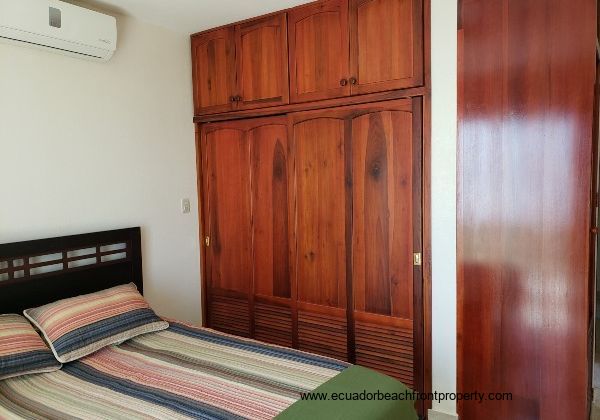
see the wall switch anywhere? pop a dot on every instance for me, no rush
(185, 205)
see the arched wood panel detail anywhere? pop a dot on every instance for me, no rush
(319, 48)
(262, 62)
(382, 185)
(213, 57)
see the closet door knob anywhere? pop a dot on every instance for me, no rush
(238, 98)
(343, 82)
(232, 99)
(353, 80)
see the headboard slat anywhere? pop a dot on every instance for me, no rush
(32, 284)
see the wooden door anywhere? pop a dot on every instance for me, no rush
(319, 51)
(268, 138)
(262, 62)
(322, 220)
(386, 44)
(227, 204)
(246, 185)
(213, 68)
(358, 222)
(524, 183)
(386, 231)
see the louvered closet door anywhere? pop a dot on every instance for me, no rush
(321, 231)
(386, 209)
(358, 216)
(246, 192)
(227, 203)
(271, 226)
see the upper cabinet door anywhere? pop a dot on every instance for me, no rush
(213, 67)
(319, 51)
(386, 44)
(262, 62)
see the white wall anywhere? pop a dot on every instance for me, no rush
(86, 146)
(443, 198)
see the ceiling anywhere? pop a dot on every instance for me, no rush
(189, 16)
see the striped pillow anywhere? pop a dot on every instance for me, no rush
(22, 350)
(81, 325)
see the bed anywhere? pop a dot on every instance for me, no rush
(181, 372)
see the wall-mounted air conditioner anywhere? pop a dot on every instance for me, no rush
(58, 26)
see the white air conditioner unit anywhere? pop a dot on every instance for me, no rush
(58, 26)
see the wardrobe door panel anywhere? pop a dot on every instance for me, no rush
(382, 213)
(386, 44)
(270, 171)
(319, 145)
(229, 256)
(262, 62)
(386, 184)
(213, 68)
(319, 51)
(271, 226)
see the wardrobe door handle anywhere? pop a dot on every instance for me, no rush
(343, 82)
(353, 81)
(232, 99)
(238, 98)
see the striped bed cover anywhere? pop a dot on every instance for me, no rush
(178, 373)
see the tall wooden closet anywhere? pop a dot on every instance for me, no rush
(312, 197)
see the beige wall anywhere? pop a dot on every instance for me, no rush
(88, 146)
(443, 201)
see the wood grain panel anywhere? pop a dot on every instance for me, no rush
(262, 62)
(525, 129)
(386, 43)
(270, 173)
(382, 189)
(228, 192)
(323, 331)
(213, 68)
(273, 323)
(319, 51)
(386, 345)
(320, 215)
(229, 314)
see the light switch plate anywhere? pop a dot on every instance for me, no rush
(185, 205)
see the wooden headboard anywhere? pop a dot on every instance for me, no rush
(33, 273)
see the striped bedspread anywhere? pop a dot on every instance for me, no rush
(179, 373)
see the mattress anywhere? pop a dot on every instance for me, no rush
(180, 373)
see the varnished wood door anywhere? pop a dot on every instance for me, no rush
(386, 44)
(526, 89)
(358, 222)
(321, 232)
(386, 232)
(227, 204)
(213, 70)
(246, 185)
(319, 51)
(262, 62)
(271, 227)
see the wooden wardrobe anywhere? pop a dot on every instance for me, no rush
(310, 156)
